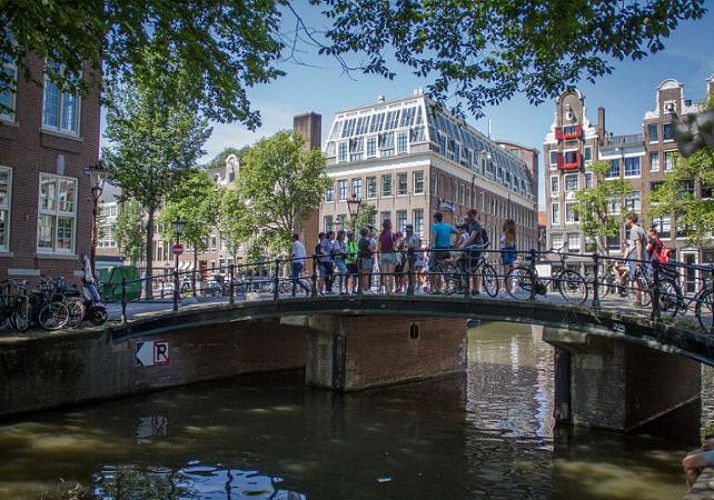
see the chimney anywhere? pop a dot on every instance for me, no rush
(380, 98)
(600, 122)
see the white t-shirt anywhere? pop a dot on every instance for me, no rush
(299, 253)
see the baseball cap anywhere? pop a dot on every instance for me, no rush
(409, 227)
(350, 233)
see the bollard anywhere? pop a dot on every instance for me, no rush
(655, 291)
(276, 280)
(123, 299)
(596, 284)
(231, 285)
(532, 277)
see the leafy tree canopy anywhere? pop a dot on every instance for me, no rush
(229, 46)
(479, 51)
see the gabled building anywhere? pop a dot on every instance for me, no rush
(410, 159)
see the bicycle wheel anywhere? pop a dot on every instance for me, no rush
(670, 297)
(98, 315)
(572, 287)
(453, 280)
(703, 309)
(76, 312)
(53, 316)
(489, 280)
(519, 283)
(608, 283)
(21, 314)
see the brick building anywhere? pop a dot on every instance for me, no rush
(411, 159)
(46, 139)
(642, 158)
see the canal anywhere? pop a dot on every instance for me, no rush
(488, 434)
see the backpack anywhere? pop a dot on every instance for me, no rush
(363, 246)
(482, 238)
(664, 255)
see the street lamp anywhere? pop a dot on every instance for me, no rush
(353, 205)
(97, 177)
(178, 224)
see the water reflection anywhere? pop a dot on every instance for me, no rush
(486, 434)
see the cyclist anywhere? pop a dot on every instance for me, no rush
(440, 243)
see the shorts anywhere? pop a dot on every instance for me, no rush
(631, 268)
(341, 266)
(399, 269)
(442, 254)
(709, 456)
(389, 258)
(365, 264)
(352, 268)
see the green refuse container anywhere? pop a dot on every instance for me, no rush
(111, 280)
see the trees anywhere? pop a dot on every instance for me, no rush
(479, 51)
(226, 46)
(129, 230)
(600, 208)
(685, 194)
(156, 141)
(281, 183)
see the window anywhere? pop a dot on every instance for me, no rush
(401, 220)
(556, 241)
(386, 185)
(555, 213)
(571, 182)
(663, 226)
(573, 242)
(341, 220)
(384, 216)
(371, 147)
(419, 182)
(570, 216)
(402, 142)
(588, 154)
(356, 149)
(669, 159)
(613, 243)
(342, 151)
(418, 222)
(357, 187)
(372, 219)
(554, 184)
(554, 157)
(686, 189)
(588, 180)
(667, 132)
(342, 189)
(652, 132)
(60, 110)
(7, 99)
(633, 201)
(371, 187)
(402, 183)
(613, 205)
(632, 167)
(654, 161)
(614, 169)
(327, 223)
(5, 206)
(330, 193)
(57, 221)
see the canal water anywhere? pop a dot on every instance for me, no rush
(488, 434)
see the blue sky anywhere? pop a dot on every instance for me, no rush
(626, 94)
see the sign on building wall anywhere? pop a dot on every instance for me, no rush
(150, 353)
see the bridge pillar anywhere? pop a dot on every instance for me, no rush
(351, 353)
(609, 383)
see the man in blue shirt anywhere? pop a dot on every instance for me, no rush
(440, 243)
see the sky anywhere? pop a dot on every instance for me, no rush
(321, 86)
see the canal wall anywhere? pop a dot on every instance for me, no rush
(70, 367)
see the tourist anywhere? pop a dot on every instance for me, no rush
(440, 245)
(400, 252)
(412, 247)
(387, 256)
(298, 255)
(478, 240)
(508, 245)
(654, 249)
(366, 251)
(352, 261)
(697, 460)
(637, 236)
(327, 264)
(339, 252)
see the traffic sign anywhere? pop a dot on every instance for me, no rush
(177, 249)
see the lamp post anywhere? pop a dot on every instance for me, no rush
(177, 250)
(353, 205)
(97, 177)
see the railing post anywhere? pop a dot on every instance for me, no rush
(276, 280)
(411, 259)
(231, 284)
(596, 281)
(656, 313)
(534, 281)
(711, 306)
(176, 290)
(123, 299)
(467, 260)
(313, 278)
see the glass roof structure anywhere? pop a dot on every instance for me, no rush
(398, 127)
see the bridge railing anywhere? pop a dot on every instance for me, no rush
(659, 292)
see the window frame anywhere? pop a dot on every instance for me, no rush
(56, 213)
(59, 128)
(10, 66)
(6, 208)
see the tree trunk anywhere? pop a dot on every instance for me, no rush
(148, 284)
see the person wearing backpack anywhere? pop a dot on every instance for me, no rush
(477, 241)
(656, 251)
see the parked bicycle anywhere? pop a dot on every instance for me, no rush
(456, 274)
(15, 307)
(523, 281)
